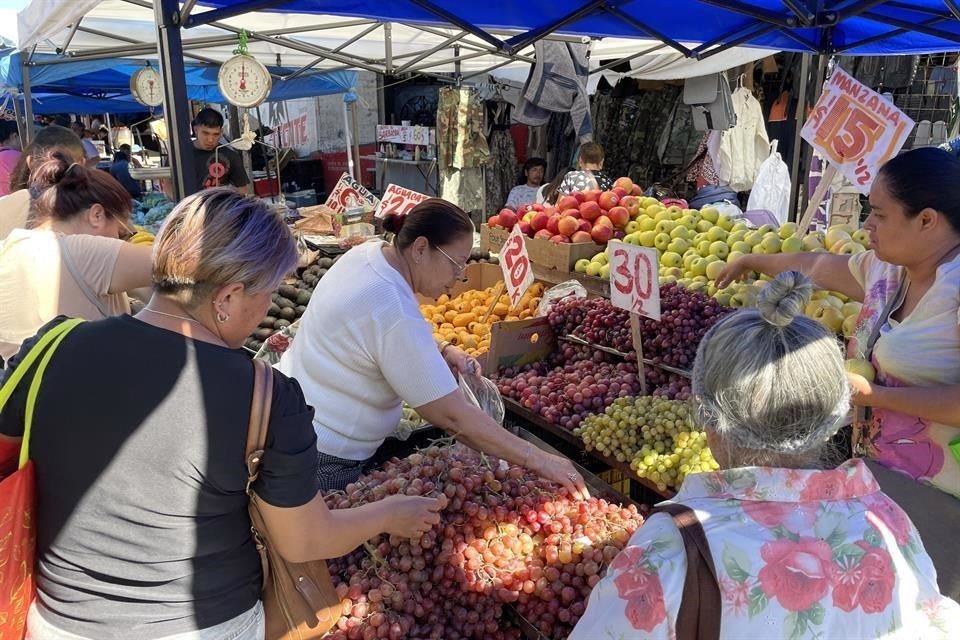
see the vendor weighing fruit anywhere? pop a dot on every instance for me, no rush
(363, 348)
(909, 283)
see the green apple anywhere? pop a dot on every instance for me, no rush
(662, 241)
(647, 238)
(647, 223)
(753, 238)
(791, 244)
(723, 297)
(852, 309)
(735, 255)
(836, 237)
(593, 269)
(703, 248)
(671, 259)
(834, 301)
(688, 259)
(600, 258)
(860, 367)
(680, 231)
(714, 269)
(850, 248)
(725, 222)
(765, 229)
(771, 242)
(716, 233)
(662, 215)
(741, 246)
(704, 225)
(699, 267)
(826, 314)
(740, 226)
(719, 249)
(849, 326)
(736, 236)
(787, 230)
(632, 227)
(687, 221)
(813, 241)
(679, 245)
(605, 272)
(709, 214)
(665, 226)
(581, 265)
(862, 236)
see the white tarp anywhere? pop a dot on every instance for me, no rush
(46, 24)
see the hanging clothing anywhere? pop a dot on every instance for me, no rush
(744, 147)
(703, 172)
(463, 148)
(558, 83)
(501, 165)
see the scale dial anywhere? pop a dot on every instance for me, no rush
(244, 82)
(146, 87)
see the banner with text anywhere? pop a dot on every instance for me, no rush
(349, 194)
(517, 272)
(399, 201)
(634, 279)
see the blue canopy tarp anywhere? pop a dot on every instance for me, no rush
(111, 78)
(61, 103)
(856, 27)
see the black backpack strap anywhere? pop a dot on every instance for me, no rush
(700, 608)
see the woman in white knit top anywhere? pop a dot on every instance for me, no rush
(363, 347)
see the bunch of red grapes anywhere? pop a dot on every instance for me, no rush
(506, 537)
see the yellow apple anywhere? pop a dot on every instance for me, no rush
(734, 255)
(736, 236)
(671, 259)
(703, 248)
(723, 297)
(716, 233)
(860, 367)
(714, 269)
(826, 314)
(647, 223)
(632, 227)
(834, 301)
(836, 236)
(703, 226)
(787, 230)
(725, 222)
(771, 242)
(849, 248)
(753, 238)
(719, 249)
(665, 226)
(852, 309)
(600, 258)
(710, 214)
(792, 244)
(647, 238)
(741, 246)
(679, 245)
(813, 241)
(581, 265)
(605, 272)
(680, 231)
(662, 241)
(849, 326)
(593, 269)
(862, 236)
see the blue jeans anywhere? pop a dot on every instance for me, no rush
(247, 626)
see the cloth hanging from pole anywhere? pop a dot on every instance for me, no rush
(463, 148)
(558, 83)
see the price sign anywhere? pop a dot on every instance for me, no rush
(399, 201)
(515, 264)
(856, 129)
(348, 194)
(634, 279)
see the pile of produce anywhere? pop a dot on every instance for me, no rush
(590, 216)
(151, 210)
(289, 302)
(482, 257)
(655, 436)
(506, 537)
(685, 318)
(459, 320)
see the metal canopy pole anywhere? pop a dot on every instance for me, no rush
(524, 39)
(616, 63)
(650, 31)
(888, 34)
(906, 24)
(797, 140)
(299, 72)
(388, 48)
(70, 34)
(27, 102)
(760, 30)
(429, 52)
(175, 103)
(763, 15)
(463, 24)
(232, 11)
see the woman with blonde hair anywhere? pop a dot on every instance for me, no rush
(797, 546)
(139, 442)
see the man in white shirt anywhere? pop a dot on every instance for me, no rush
(533, 170)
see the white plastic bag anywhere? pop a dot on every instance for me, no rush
(555, 294)
(771, 190)
(484, 394)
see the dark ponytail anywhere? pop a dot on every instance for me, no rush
(65, 188)
(47, 139)
(439, 221)
(925, 178)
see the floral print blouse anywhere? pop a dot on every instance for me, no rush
(799, 554)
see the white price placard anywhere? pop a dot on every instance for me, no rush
(348, 194)
(517, 272)
(399, 201)
(856, 129)
(634, 279)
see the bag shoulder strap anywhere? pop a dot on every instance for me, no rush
(260, 404)
(45, 347)
(85, 289)
(700, 607)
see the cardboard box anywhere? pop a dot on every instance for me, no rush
(478, 276)
(561, 257)
(514, 344)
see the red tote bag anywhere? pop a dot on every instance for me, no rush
(18, 493)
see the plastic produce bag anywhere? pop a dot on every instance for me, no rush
(771, 189)
(484, 394)
(554, 294)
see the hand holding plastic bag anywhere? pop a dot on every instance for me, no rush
(482, 393)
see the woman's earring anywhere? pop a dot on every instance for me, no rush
(222, 316)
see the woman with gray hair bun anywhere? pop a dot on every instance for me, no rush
(139, 440)
(800, 547)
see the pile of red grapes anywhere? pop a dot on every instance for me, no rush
(506, 537)
(686, 316)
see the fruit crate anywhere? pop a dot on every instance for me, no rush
(617, 480)
(561, 257)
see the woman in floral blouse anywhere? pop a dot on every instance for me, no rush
(909, 283)
(802, 549)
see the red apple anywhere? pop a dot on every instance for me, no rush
(590, 211)
(543, 234)
(508, 218)
(573, 213)
(624, 183)
(601, 234)
(581, 236)
(637, 191)
(619, 216)
(560, 239)
(580, 196)
(493, 222)
(586, 225)
(568, 225)
(620, 192)
(608, 200)
(537, 207)
(567, 202)
(553, 224)
(603, 221)
(525, 228)
(593, 195)
(539, 221)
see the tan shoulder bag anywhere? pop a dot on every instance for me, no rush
(299, 600)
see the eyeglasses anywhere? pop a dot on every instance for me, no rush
(125, 232)
(459, 268)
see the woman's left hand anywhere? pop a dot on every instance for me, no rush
(461, 363)
(861, 390)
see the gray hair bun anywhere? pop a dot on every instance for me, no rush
(785, 298)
